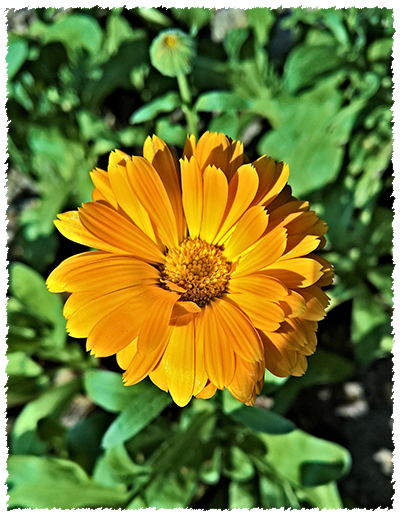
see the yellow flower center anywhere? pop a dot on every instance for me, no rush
(198, 267)
(170, 41)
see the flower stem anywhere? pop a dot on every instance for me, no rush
(186, 96)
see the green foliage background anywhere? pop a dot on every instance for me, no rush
(310, 87)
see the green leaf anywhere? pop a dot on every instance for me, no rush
(151, 110)
(47, 483)
(120, 461)
(306, 63)
(107, 390)
(242, 496)
(49, 404)
(380, 49)
(381, 278)
(172, 134)
(220, 101)
(17, 53)
(194, 17)
(261, 19)
(29, 287)
(255, 418)
(325, 496)
(304, 459)
(272, 494)
(76, 31)
(238, 466)
(20, 364)
(210, 470)
(227, 123)
(118, 31)
(141, 410)
(152, 15)
(173, 490)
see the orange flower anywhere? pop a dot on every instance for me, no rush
(205, 273)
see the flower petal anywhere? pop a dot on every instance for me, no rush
(296, 272)
(115, 232)
(149, 188)
(215, 196)
(192, 195)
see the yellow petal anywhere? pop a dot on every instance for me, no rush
(120, 327)
(155, 324)
(118, 233)
(247, 232)
(101, 181)
(167, 167)
(219, 357)
(267, 250)
(298, 272)
(84, 310)
(207, 392)
(184, 308)
(273, 177)
(150, 190)
(141, 366)
(242, 190)
(241, 334)
(293, 304)
(215, 195)
(192, 195)
(180, 360)
(128, 200)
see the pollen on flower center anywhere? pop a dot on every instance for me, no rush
(198, 267)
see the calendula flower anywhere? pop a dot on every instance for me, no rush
(205, 272)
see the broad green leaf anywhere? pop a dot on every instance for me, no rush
(255, 418)
(325, 496)
(20, 364)
(29, 287)
(194, 17)
(107, 390)
(227, 123)
(220, 101)
(304, 459)
(142, 409)
(119, 460)
(172, 134)
(308, 62)
(76, 31)
(152, 15)
(237, 465)
(273, 495)
(49, 404)
(17, 53)
(261, 19)
(242, 496)
(380, 49)
(118, 31)
(47, 483)
(210, 470)
(173, 490)
(151, 110)
(381, 278)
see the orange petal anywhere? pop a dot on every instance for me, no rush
(180, 360)
(297, 272)
(192, 195)
(240, 332)
(267, 250)
(316, 301)
(219, 358)
(215, 196)
(242, 189)
(116, 232)
(184, 308)
(101, 181)
(140, 366)
(128, 200)
(293, 305)
(208, 392)
(155, 324)
(273, 177)
(243, 386)
(84, 310)
(167, 167)
(120, 327)
(71, 227)
(247, 232)
(150, 190)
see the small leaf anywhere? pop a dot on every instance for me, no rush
(17, 53)
(47, 483)
(242, 496)
(220, 101)
(20, 364)
(165, 104)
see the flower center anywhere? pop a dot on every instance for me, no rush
(198, 267)
(170, 41)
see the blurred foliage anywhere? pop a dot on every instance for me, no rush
(312, 87)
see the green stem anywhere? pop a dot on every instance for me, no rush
(186, 95)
